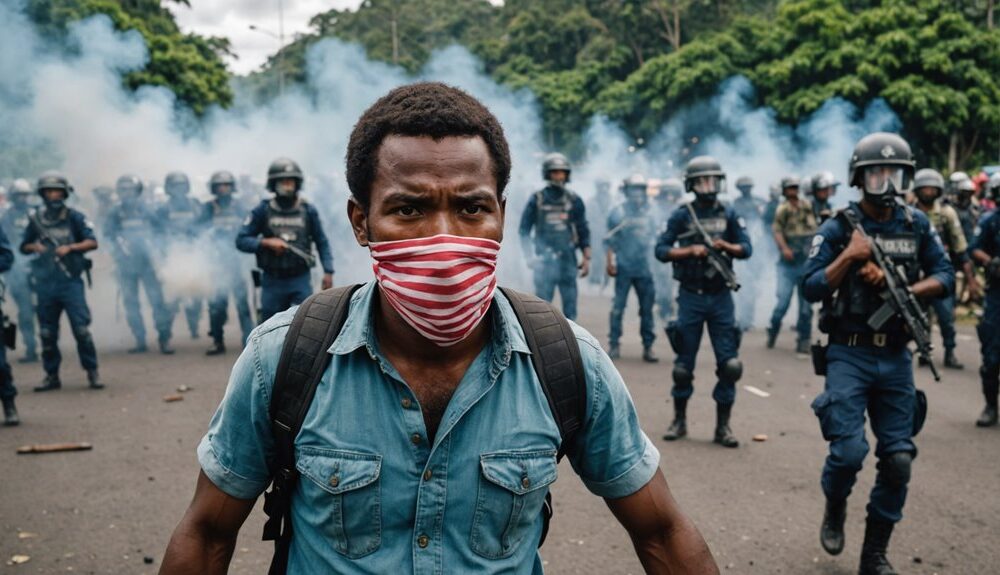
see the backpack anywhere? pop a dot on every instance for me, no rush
(555, 356)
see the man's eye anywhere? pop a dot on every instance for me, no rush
(407, 211)
(472, 210)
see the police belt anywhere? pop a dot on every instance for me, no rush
(869, 339)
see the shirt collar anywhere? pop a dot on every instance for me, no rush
(358, 330)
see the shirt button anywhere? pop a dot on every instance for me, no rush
(335, 481)
(423, 541)
(525, 482)
(428, 475)
(415, 438)
(407, 403)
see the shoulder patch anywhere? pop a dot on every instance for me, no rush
(816, 243)
(247, 221)
(742, 222)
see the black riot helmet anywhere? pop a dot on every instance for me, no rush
(222, 178)
(928, 179)
(745, 185)
(881, 167)
(52, 181)
(635, 186)
(177, 183)
(790, 182)
(671, 189)
(556, 162)
(128, 188)
(824, 181)
(965, 190)
(282, 169)
(704, 177)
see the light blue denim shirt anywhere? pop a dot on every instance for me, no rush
(374, 497)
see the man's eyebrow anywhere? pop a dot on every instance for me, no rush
(405, 196)
(476, 194)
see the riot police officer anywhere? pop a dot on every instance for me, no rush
(7, 390)
(985, 252)
(59, 236)
(600, 203)
(793, 228)
(869, 370)
(963, 202)
(824, 187)
(704, 274)
(223, 216)
(664, 203)
(629, 245)
(559, 220)
(132, 228)
(14, 222)
(928, 186)
(751, 209)
(179, 217)
(281, 232)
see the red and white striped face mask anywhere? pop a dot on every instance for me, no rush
(442, 286)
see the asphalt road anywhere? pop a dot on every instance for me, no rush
(759, 506)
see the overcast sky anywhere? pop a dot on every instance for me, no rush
(232, 19)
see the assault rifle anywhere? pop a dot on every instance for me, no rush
(44, 236)
(304, 255)
(716, 258)
(899, 299)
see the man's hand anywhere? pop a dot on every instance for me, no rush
(36, 248)
(612, 269)
(584, 267)
(276, 245)
(698, 251)
(871, 274)
(859, 249)
(327, 281)
(787, 254)
(63, 251)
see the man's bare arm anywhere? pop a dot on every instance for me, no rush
(204, 540)
(666, 541)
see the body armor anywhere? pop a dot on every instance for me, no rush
(58, 229)
(291, 225)
(554, 231)
(182, 216)
(697, 274)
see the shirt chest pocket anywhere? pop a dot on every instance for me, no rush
(342, 495)
(512, 489)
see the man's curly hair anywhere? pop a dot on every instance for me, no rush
(428, 109)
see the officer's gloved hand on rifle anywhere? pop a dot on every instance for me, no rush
(276, 245)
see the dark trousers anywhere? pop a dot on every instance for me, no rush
(278, 294)
(944, 310)
(645, 290)
(218, 307)
(19, 283)
(130, 277)
(989, 343)
(55, 297)
(558, 271)
(789, 283)
(879, 381)
(192, 312)
(694, 312)
(7, 389)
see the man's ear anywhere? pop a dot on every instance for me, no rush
(359, 221)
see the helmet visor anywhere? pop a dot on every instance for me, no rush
(707, 184)
(879, 180)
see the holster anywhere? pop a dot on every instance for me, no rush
(818, 352)
(920, 412)
(255, 276)
(9, 334)
(674, 336)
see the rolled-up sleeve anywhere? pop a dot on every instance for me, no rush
(611, 453)
(236, 451)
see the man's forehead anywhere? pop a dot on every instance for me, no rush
(451, 155)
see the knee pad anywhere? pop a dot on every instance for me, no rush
(731, 370)
(894, 469)
(82, 333)
(852, 454)
(46, 334)
(682, 376)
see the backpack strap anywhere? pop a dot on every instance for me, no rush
(303, 361)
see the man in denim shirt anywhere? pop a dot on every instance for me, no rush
(418, 457)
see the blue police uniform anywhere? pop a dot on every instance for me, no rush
(559, 220)
(179, 219)
(223, 221)
(987, 239)
(662, 276)
(286, 280)
(7, 389)
(13, 224)
(703, 299)
(58, 287)
(630, 236)
(131, 227)
(867, 370)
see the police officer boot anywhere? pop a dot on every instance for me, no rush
(94, 379)
(165, 348)
(678, 428)
(873, 559)
(218, 348)
(648, 355)
(772, 337)
(991, 387)
(50, 383)
(723, 434)
(614, 352)
(831, 533)
(140, 347)
(10, 418)
(802, 347)
(950, 361)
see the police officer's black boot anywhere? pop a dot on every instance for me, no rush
(950, 361)
(831, 533)
(140, 347)
(991, 387)
(94, 379)
(10, 418)
(218, 348)
(678, 428)
(648, 355)
(614, 352)
(165, 348)
(772, 337)
(873, 559)
(50, 383)
(723, 434)
(802, 347)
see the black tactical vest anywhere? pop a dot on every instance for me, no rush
(58, 230)
(554, 230)
(697, 274)
(291, 225)
(181, 218)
